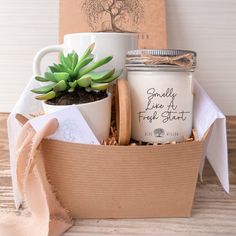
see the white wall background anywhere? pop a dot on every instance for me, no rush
(25, 27)
(207, 26)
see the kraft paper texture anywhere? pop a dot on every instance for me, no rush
(145, 17)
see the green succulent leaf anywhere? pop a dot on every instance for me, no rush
(46, 96)
(75, 59)
(65, 60)
(101, 75)
(43, 89)
(70, 55)
(41, 79)
(71, 90)
(60, 86)
(112, 78)
(88, 51)
(81, 64)
(61, 76)
(49, 76)
(96, 65)
(84, 81)
(53, 69)
(99, 86)
(73, 84)
(66, 69)
(57, 68)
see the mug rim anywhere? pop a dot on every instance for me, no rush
(100, 33)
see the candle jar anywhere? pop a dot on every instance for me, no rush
(161, 94)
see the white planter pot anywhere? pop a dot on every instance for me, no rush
(97, 114)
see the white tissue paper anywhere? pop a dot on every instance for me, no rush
(206, 114)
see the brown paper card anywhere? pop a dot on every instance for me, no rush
(146, 17)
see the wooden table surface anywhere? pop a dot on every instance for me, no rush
(214, 211)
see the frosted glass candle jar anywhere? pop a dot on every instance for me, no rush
(161, 94)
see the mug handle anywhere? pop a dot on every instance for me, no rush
(41, 53)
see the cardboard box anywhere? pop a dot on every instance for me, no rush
(146, 17)
(94, 181)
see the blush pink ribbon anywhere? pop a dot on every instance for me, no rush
(47, 216)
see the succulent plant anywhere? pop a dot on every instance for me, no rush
(73, 72)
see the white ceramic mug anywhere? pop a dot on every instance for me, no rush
(114, 44)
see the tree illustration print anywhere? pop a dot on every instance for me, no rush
(113, 15)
